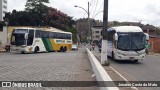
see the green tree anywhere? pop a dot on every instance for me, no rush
(35, 4)
(37, 8)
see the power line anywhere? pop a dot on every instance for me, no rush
(101, 6)
(99, 10)
(92, 6)
(95, 7)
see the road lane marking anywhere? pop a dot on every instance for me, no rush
(118, 74)
(122, 77)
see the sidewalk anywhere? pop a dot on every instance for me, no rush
(53, 66)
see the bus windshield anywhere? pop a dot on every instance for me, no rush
(18, 39)
(131, 41)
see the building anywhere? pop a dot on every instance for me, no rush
(96, 33)
(3, 9)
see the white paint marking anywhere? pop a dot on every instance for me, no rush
(123, 78)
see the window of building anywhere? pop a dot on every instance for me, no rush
(97, 36)
(97, 31)
(4, 12)
(5, 7)
(5, 1)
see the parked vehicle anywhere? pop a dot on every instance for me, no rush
(74, 47)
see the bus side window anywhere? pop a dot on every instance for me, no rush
(45, 34)
(60, 36)
(41, 34)
(55, 35)
(63, 36)
(37, 35)
(50, 34)
(68, 36)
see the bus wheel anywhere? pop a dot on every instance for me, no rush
(36, 49)
(61, 49)
(113, 57)
(65, 49)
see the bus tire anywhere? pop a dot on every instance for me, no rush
(36, 49)
(113, 57)
(65, 49)
(61, 49)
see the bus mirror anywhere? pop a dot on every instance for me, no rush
(26, 36)
(147, 36)
(116, 37)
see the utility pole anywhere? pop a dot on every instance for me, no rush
(90, 36)
(104, 34)
(89, 29)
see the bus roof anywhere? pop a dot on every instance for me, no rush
(51, 29)
(24, 28)
(56, 30)
(127, 29)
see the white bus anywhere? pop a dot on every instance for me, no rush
(127, 43)
(32, 40)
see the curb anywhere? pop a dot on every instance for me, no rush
(100, 73)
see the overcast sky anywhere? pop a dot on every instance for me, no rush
(147, 11)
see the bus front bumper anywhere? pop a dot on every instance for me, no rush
(20, 49)
(132, 58)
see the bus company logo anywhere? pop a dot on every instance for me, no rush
(6, 84)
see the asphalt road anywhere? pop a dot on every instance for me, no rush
(146, 70)
(53, 66)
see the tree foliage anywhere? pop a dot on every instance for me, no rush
(35, 4)
(37, 13)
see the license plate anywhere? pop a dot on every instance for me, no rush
(131, 58)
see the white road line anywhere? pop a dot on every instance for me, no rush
(123, 78)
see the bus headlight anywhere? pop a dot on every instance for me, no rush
(23, 46)
(141, 53)
(121, 53)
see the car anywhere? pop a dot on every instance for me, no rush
(74, 47)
